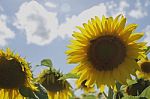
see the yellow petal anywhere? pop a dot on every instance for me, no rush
(121, 25)
(125, 34)
(102, 88)
(135, 37)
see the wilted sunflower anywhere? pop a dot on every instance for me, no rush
(144, 71)
(137, 88)
(14, 73)
(105, 50)
(83, 87)
(56, 88)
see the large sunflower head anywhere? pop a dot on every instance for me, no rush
(14, 73)
(85, 88)
(56, 88)
(144, 71)
(105, 50)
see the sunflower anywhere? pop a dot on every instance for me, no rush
(137, 88)
(56, 87)
(84, 87)
(144, 71)
(14, 73)
(105, 51)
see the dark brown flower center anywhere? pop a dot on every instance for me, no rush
(11, 74)
(52, 83)
(137, 88)
(145, 66)
(106, 53)
(83, 84)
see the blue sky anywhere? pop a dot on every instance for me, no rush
(38, 29)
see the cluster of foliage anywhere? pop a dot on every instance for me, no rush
(134, 89)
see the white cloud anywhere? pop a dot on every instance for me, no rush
(5, 32)
(111, 5)
(66, 29)
(50, 5)
(139, 11)
(65, 7)
(147, 36)
(1, 8)
(123, 5)
(3, 18)
(40, 25)
(114, 9)
(147, 3)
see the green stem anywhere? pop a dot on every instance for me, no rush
(105, 95)
(110, 93)
(118, 85)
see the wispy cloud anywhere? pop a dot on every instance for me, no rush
(65, 7)
(50, 5)
(1, 8)
(66, 29)
(147, 3)
(139, 11)
(147, 36)
(40, 25)
(117, 8)
(5, 32)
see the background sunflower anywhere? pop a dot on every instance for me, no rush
(144, 71)
(14, 73)
(56, 87)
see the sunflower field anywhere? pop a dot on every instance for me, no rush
(111, 63)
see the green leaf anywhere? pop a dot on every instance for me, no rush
(110, 93)
(123, 87)
(46, 62)
(41, 93)
(88, 97)
(69, 75)
(131, 82)
(27, 92)
(146, 93)
(118, 95)
(147, 50)
(132, 97)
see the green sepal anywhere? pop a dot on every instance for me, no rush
(27, 92)
(42, 92)
(147, 51)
